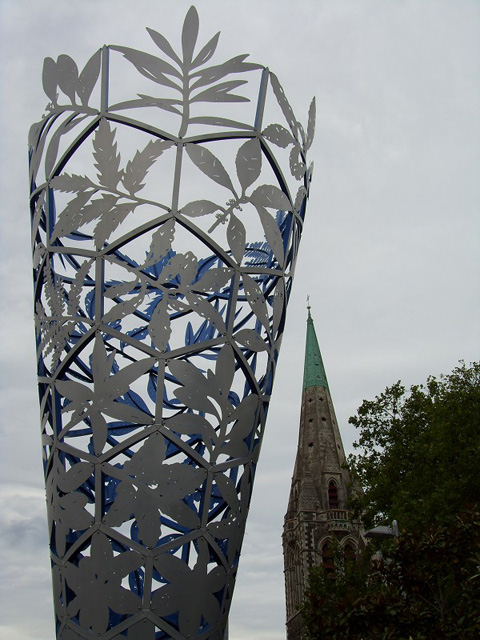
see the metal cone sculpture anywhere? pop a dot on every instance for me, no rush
(161, 281)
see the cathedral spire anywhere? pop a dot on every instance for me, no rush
(313, 372)
(318, 517)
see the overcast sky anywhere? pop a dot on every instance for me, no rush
(389, 255)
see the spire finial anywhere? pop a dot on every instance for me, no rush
(308, 305)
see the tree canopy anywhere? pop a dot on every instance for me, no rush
(426, 587)
(419, 450)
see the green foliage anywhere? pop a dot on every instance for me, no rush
(419, 450)
(417, 463)
(427, 586)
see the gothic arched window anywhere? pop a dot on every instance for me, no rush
(328, 559)
(349, 553)
(332, 495)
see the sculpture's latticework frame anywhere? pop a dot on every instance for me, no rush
(160, 294)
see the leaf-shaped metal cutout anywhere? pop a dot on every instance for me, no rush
(194, 393)
(110, 221)
(250, 339)
(278, 135)
(213, 121)
(300, 198)
(225, 370)
(249, 162)
(221, 93)
(192, 424)
(228, 491)
(207, 52)
(120, 289)
(161, 242)
(236, 237)
(123, 309)
(163, 44)
(137, 169)
(214, 73)
(278, 305)
(272, 234)
(148, 101)
(49, 78)
(75, 516)
(213, 280)
(67, 76)
(267, 195)
(89, 77)
(75, 476)
(284, 104)
(311, 125)
(159, 327)
(189, 35)
(199, 208)
(256, 299)
(71, 218)
(209, 164)
(71, 184)
(207, 311)
(297, 166)
(151, 67)
(105, 154)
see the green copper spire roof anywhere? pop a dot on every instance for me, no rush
(314, 372)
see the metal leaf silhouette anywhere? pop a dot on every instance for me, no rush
(311, 125)
(278, 135)
(163, 44)
(71, 183)
(195, 390)
(72, 217)
(220, 122)
(97, 585)
(213, 279)
(110, 220)
(137, 169)
(209, 164)
(297, 165)
(256, 299)
(161, 242)
(193, 424)
(159, 327)
(249, 162)
(250, 339)
(236, 237)
(105, 154)
(122, 309)
(49, 79)
(88, 77)
(207, 52)
(272, 234)
(189, 35)
(199, 208)
(151, 67)
(284, 104)
(267, 195)
(67, 76)
(214, 73)
(207, 311)
(148, 101)
(221, 93)
(278, 305)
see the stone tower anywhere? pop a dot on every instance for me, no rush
(317, 511)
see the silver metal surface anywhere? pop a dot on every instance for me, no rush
(164, 244)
